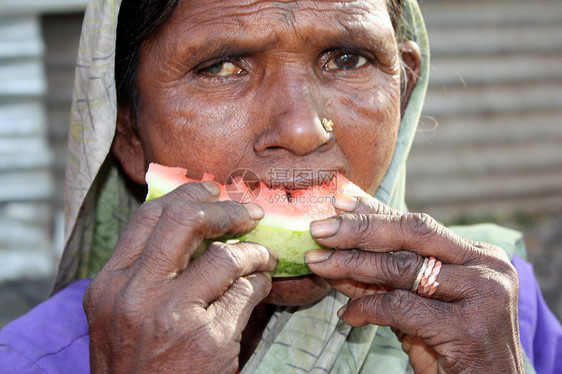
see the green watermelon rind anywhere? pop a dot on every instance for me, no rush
(154, 193)
(292, 244)
(158, 188)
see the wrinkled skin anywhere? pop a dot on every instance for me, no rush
(469, 325)
(243, 84)
(153, 310)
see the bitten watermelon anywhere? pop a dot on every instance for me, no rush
(285, 227)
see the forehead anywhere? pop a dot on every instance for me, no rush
(262, 17)
(283, 10)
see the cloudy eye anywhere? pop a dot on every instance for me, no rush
(221, 69)
(345, 61)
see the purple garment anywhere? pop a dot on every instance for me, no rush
(540, 330)
(53, 337)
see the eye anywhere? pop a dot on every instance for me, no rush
(345, 61)
(221, 69)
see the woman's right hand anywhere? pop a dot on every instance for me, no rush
(154, 309)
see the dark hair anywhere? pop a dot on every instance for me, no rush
(140, 19)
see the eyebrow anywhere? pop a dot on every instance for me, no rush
(216, 46)
(357, 38)
(212, 47)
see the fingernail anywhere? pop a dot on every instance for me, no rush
(255, 211)
(345, 202)
(317, 255)
(325, 227)
(342, 311)
(212, 188)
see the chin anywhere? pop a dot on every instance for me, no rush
(296, 291)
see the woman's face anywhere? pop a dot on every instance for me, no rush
(237, 84)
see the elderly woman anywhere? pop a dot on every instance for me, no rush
(215, 86)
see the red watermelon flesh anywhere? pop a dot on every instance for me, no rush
(285, 227)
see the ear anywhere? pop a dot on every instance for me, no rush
(411, 62)
(127, 146)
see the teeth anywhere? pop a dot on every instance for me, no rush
(289, 196)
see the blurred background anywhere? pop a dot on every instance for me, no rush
(489, 147)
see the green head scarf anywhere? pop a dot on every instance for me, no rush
(99, 204)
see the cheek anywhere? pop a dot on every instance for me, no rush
(182, 131)
(367, 133)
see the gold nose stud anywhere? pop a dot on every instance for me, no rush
(328, 124)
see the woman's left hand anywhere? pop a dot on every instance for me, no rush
(470, 324)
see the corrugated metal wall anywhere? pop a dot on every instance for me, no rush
(31, 132)
(26, 183)
(491, 137)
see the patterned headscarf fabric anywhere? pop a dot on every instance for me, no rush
(100, 202)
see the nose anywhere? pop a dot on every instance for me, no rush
(294, 121)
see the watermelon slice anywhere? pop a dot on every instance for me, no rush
(285, 227)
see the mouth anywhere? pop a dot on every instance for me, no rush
(291, 199)
(301, 179)
(287, 178)
(286, 182)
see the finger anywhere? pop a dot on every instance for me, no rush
(362, 205)
(397, 269)
(195, 191)
(372, 271)
(210, 275)
(133, 240)
(354, 289)
(400, 309)
(418, 233)
(184, 225)
(137, 233)
(234, 308)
